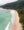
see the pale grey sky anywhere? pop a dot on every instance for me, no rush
(2, 2)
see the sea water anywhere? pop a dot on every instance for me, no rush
(5, 18)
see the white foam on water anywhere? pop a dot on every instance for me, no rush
(7, 27)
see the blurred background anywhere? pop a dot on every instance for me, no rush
(17, 5)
